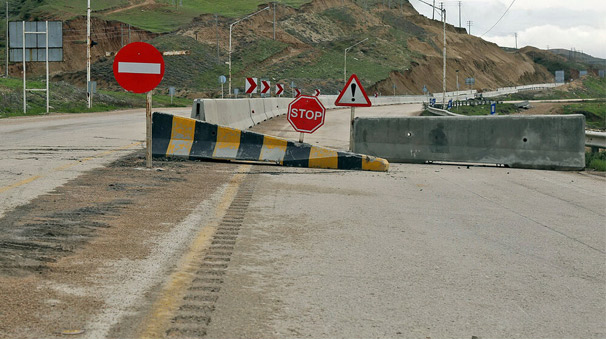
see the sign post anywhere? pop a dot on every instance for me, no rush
(222, 80)
(353, 94)
(139, 68)
(171, 91)
(306, 115)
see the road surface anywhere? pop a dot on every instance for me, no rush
(40, 153)
(222, 250)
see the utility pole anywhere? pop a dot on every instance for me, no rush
(433, 14)
(217, 31)
(88, 87)
(460, 14)
(469, 24)
(6, 39)
(274, 21)
(516, 35)
(345, 58)
(444, 73)
(443, 14)
(231, 26)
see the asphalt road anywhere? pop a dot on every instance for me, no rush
(40, 153)
(440, 251)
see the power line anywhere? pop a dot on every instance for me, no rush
(507, 10)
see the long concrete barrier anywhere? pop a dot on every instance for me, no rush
(537, 142)
(174, 136)
(246, 112)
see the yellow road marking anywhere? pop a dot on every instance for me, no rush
(18, 184)
(172, 294)
(66, 166)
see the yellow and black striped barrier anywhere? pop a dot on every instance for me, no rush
(174, 136)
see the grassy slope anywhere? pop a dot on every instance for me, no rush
(164, 18)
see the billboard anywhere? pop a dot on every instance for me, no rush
(559, 76)
(35, 43)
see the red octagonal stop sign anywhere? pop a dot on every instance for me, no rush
(306, 114)
(139, 67)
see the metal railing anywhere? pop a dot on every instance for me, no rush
(596, 140)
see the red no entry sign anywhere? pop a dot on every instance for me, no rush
(306, 114)
(139, 67)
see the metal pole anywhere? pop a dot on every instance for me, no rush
(444, 74)
(457, 72)
(47, 85)
(345, 67)
(7, 38)
(148, 132)
(24, 70)
(460, 14)
(353, 116)
(88, 94)
(345, 63)
(433, 13)
(217, 32)
(229, 62)
(301, 135)
(230, 30)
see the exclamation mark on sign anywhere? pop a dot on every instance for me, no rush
(353, 92)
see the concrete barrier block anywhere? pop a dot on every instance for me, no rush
(197, 110)
(233, 113)
(257, 110)
(275, 107)
(538, 142)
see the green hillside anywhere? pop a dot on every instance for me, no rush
(161, 16)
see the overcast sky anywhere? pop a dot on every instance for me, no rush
(579, 24)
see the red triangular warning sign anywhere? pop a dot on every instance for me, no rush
(353, 94)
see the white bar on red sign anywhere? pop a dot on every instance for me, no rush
(140, 68)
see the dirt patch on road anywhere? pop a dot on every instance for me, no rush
(51, 249)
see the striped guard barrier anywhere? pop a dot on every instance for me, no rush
(174, 136)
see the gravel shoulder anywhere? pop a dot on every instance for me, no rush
(74, 260)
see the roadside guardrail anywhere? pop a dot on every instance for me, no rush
(596, 140)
